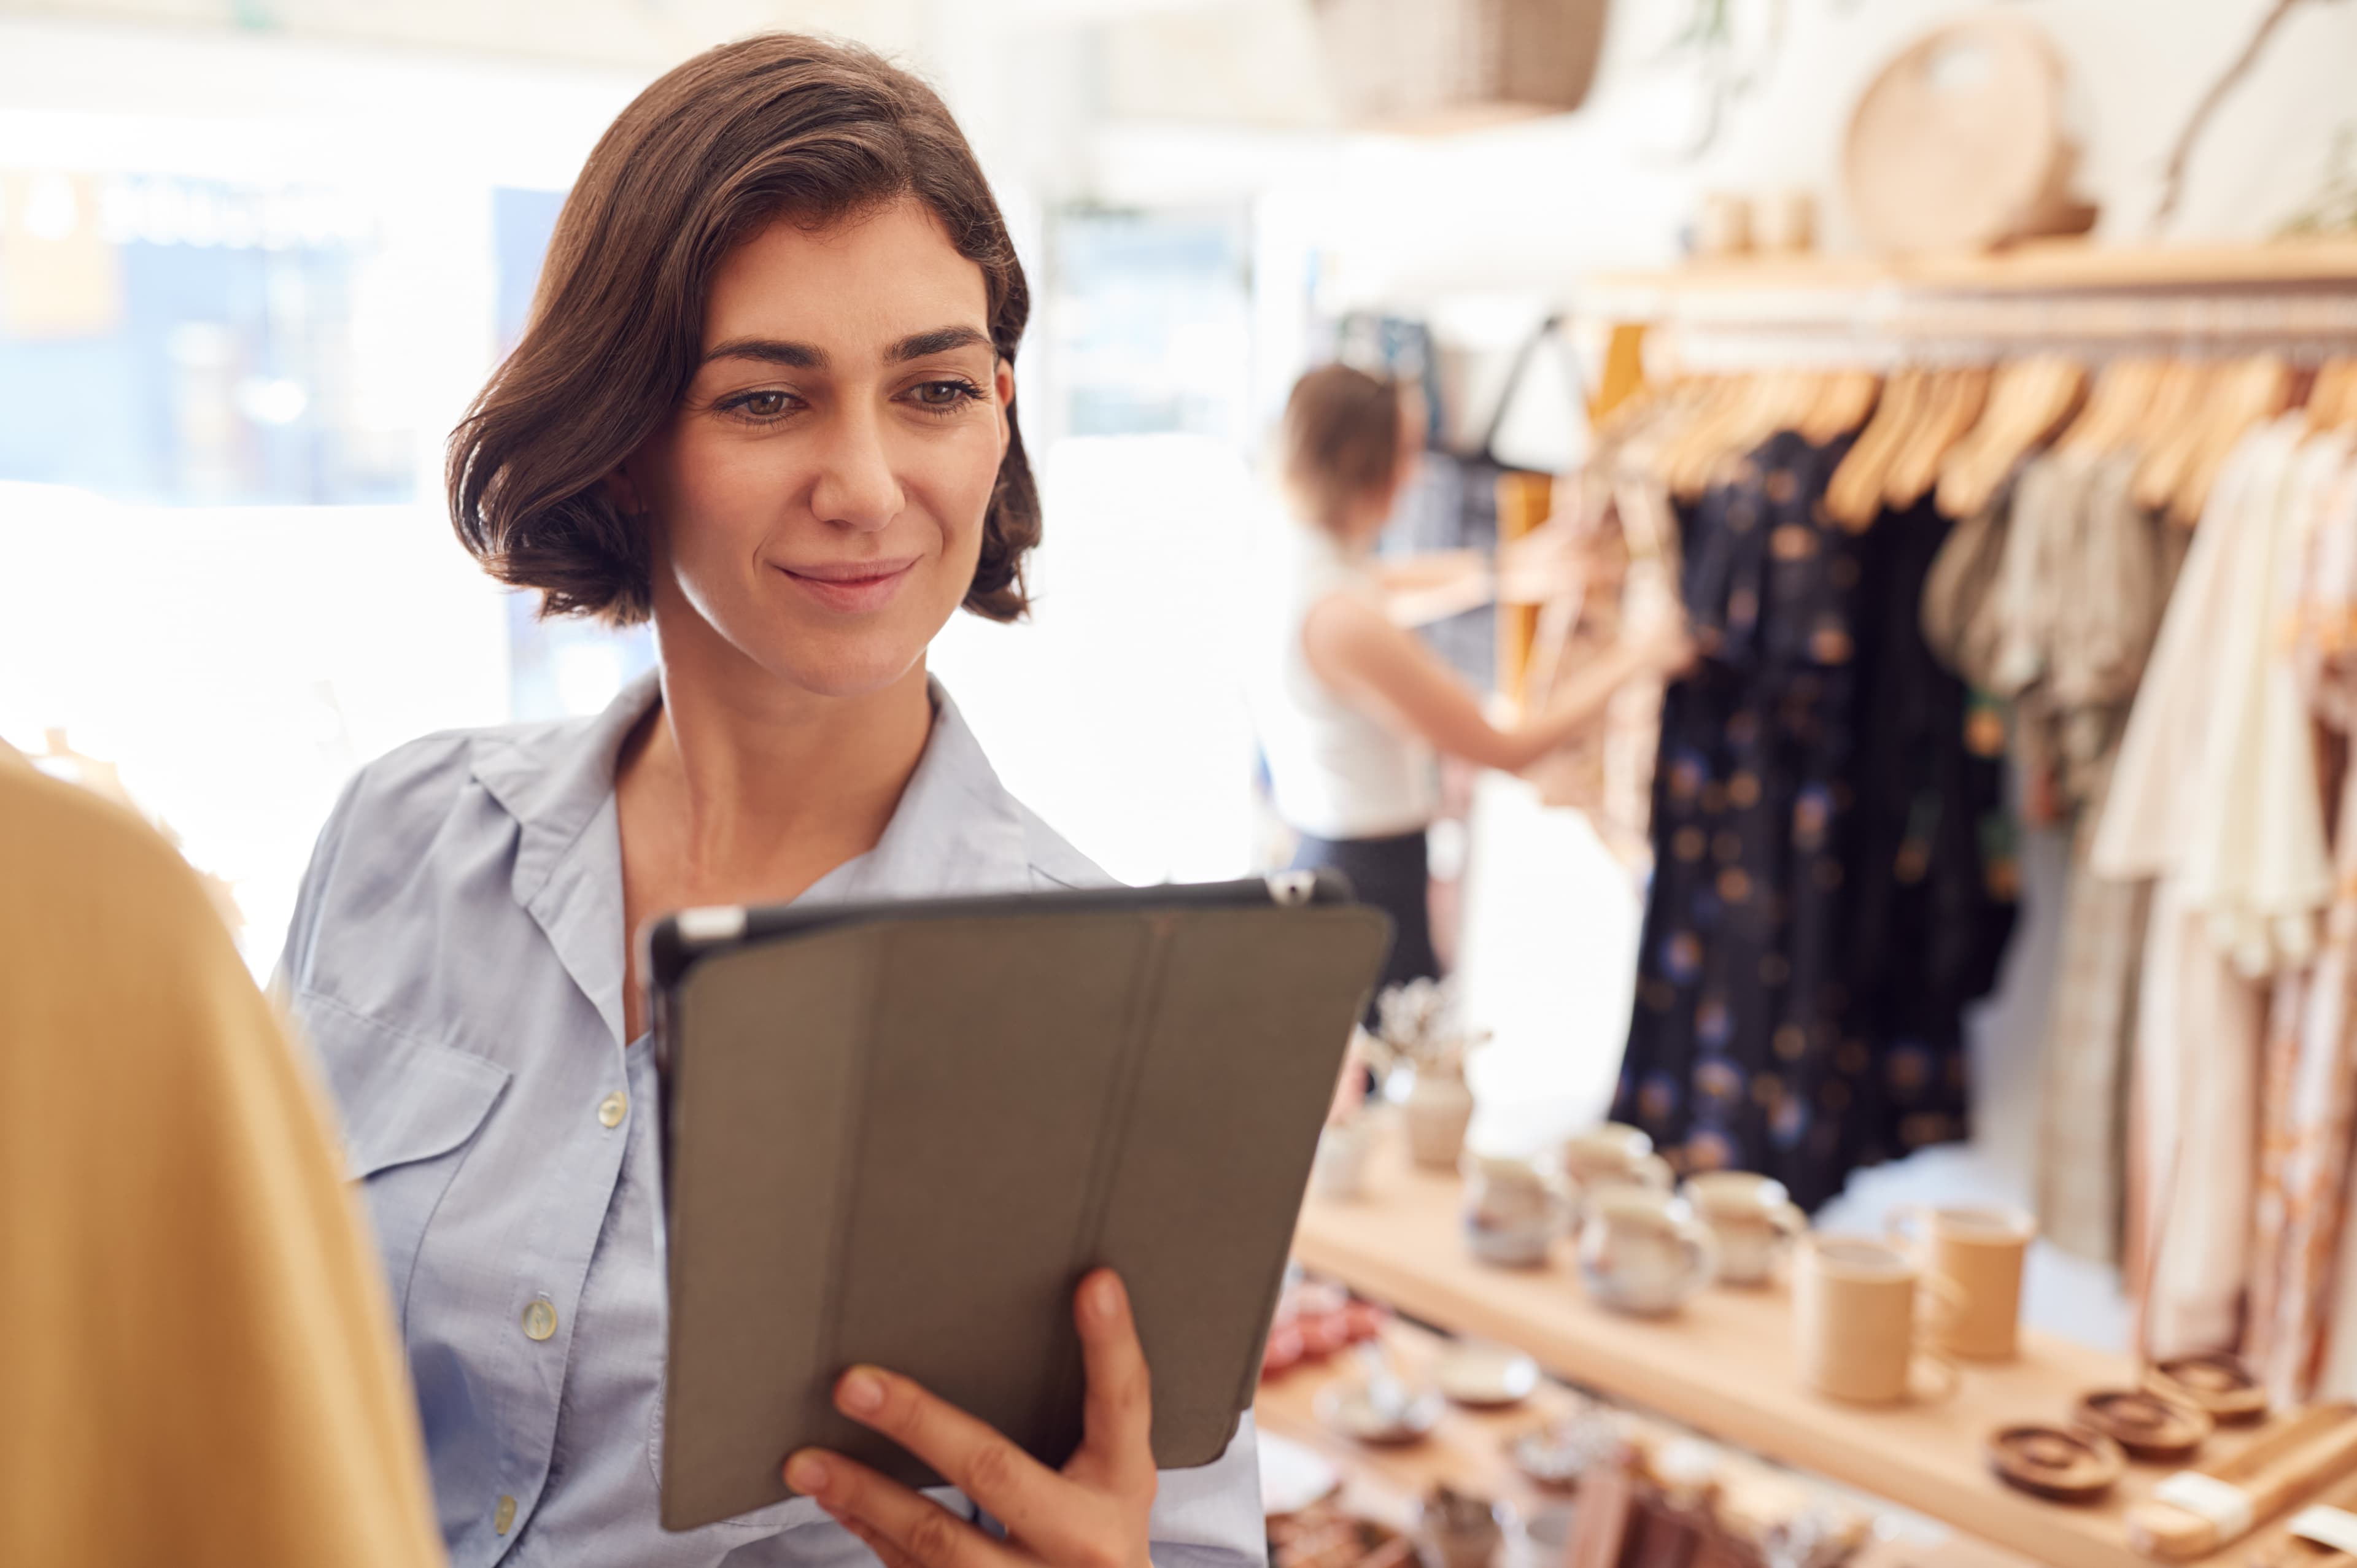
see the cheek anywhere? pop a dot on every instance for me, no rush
(954, 489)
(718, 502)
(720, 498)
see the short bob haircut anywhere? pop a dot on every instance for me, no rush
(778, 126)
(1341, 439)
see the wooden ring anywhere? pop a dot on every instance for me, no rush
(2063, 1464)
(2148, 1425)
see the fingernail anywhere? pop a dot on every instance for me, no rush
(862, 1392)
(1107, 1298)
(807, 1474)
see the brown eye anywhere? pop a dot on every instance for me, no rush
(945, 394)
(763, 404)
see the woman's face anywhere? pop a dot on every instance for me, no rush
(818, 496)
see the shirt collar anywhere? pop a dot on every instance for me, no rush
(956, 830)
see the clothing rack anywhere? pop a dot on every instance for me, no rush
(2294, 298)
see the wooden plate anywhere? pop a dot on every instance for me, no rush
(2062, 1464)
(2146, 1425)
(2213, 1381)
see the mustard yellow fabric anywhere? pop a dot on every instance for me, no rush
(196, 1359)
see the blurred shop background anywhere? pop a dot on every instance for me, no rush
(255, 256)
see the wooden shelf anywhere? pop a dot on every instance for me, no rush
(1724, 1366)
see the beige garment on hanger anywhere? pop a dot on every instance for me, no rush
(2199, 1018)
(2302, 1314)
(1620, 508)
(2309, 1111)
(2090, 1031)
(2255, 862)
(2091, 642)
(1958, 625)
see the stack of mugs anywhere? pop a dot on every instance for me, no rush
(1948, 1277)
(1877, 1320)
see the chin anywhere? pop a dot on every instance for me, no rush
(845, 666)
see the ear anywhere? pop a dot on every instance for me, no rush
(625, 491)
(1002, 380)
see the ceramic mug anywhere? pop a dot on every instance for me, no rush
(1856, 1305)
(1641, 1251)
(1982, 1248)
(1614, 1154)
(1514, 1208)
(1753, 1217)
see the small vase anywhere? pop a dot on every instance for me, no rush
(1438, 1108)
(1341, 1167)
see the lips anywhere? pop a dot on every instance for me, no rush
(851, 586)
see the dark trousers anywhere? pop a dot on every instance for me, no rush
(1393, 875)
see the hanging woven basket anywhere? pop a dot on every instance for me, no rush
(1444, 64)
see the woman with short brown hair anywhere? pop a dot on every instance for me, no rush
(1350, 706)
(766, 400)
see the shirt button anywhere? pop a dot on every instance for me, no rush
(504, 1517)
(611, 1109)
(540, 1319)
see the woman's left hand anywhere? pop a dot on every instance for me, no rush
(1092, 1514)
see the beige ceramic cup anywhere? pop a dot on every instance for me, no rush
(1754, 1218)
(1614, 1154)
(1856, 1304)
(1982, 1249)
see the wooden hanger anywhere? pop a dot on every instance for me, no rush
(1798, 394)
(2332, 399)
(1842, 404)
(2120, 399)
(2173, 431)
(2344, 417)
(2258, 389)
(1691, 446)
(1767, 402)
(2028, 400)
(1957, 405)
(1854, 494)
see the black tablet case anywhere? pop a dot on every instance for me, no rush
(903, 1141)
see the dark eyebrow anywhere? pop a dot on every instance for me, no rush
(805, 356)
(939, 341)
(769, 351)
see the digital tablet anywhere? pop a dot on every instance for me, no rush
(901, 1133)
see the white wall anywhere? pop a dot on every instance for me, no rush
(1529, 208)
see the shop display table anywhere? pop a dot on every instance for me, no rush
(1724, 1366)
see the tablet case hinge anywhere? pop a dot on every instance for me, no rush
(1290, 889)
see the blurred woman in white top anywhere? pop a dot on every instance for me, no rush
(1351, 705)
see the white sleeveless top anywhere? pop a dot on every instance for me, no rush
(1337, 773)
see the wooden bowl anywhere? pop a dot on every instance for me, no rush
(2146, 1425)
(2213, 1383)
(2062, 1463)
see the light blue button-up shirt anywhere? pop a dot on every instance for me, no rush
(456, 960)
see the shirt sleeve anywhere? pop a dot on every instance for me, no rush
(1210, 1516)
(197, 1350)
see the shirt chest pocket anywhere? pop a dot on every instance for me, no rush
(409, 1109)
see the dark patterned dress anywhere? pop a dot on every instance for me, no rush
(1820, 908)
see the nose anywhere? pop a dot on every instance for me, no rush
(857, 488)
